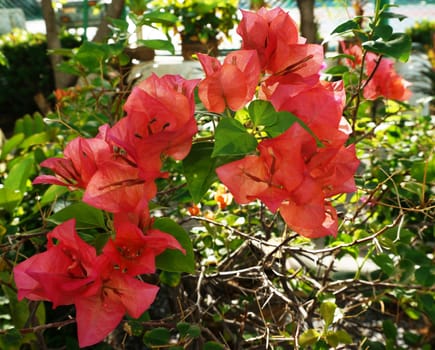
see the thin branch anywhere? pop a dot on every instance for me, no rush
(39, 328)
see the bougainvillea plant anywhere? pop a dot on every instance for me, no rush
(280, 139)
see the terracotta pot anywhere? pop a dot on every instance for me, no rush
(189, 48)
(140, 53)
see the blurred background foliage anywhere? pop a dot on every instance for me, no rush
(257, 285)
(27, 74)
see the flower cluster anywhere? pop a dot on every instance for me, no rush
(292, 172)
(117, 171)
(382, 79)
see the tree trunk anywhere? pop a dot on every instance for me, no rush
(308, 23)
(114, 10)
(61, 79)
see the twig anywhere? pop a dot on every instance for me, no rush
(39, 328)
(198, 289)
(345, 245)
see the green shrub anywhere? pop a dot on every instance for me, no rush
(28, 73)
(422, 32)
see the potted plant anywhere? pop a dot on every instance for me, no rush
(142, 16)
(201, 24)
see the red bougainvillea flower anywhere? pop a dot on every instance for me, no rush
(274, 34)
(269, 176)
(352, 50)
(385, 81)
(222, 197)
(278, 88)
(69, 269)
(305, 207)
(80, 162)
(328, 113)
(64, 95)
(133, 251)
(297, 188)
(316, 228)
(324, 119)
(160, 120)
(263, 29)
(231, 84)
(118, 187)
(70, 272)
(100, 313)
(303, 59)
(334, 168)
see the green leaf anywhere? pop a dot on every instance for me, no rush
(91, 55)
(327, 310)
(68, 67)
(20, 310)
(211, 345)
(120, 25)
(35, 139)
(173, 260)
(375, 345)
(424, 275)
(124, 59)
(383, 31)
(3, 60)
(61, 52)
(388, 15)
(262, 113)
(28, 125)
(9, 199)
(86, 216)
(342, 55)
(157, 336)
(385, 263)
(11, 144)
(19, 174)
(346, 26)
(389, 329)
(11, 339)
(199, 169)
(321, 345)
(424, 170)
(50, 195)
(115, 49)
(100, 240)
(333, 338)
(309, 337)
(194, 331)
(171, 279)
(188, 330)
(183, 328)
(428, 303)
(411, 338)
(231, 139)
(337, 70)
(166, 18)
(343, 337)
(158, 44)
(38, 123)
(398, 46)
(416, 256)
